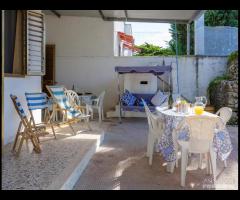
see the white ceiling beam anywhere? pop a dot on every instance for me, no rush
(196, 15)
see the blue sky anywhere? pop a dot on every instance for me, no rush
(153, 33)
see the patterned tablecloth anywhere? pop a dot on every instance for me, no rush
(222, 142)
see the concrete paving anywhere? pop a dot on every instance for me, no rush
(121, 163)
(53, 168)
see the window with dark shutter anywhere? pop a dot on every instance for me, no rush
(24, 42)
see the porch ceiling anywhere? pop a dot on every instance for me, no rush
(167, 16)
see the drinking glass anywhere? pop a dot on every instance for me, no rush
(178, 104)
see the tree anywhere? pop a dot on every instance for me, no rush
(221, 18)
(182, 38)
(153, 50)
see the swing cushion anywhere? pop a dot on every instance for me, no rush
(128, 98)
(159, 98)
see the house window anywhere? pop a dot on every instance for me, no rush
(24, 43)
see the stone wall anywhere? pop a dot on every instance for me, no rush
(226, 92)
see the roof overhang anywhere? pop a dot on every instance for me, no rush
(154, 16)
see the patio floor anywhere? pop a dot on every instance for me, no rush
(121, 163)
(59, 164)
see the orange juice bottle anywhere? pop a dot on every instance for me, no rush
(198, 110)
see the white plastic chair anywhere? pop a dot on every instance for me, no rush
(156, 127)
(225, 114)
(72, 97)
(74, 100)
(201, 132)
(97, 104)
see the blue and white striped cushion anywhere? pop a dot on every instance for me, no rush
(19, 106)
(36, 100)
(63, 102)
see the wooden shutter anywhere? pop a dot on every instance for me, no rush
(35, 51)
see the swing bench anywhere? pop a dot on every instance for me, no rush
(155, 70)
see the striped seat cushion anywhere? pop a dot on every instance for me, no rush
(63, 102)
(18, 105)
(36, 100)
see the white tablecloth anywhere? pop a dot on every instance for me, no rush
(168, 142)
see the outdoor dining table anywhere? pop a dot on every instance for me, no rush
(168, 142)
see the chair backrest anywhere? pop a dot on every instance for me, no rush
(155, 124)
(201, 131)
(101, 98)
(72, 97)
(58, 94)
(225, 114)
(36, 101)
(20, 110)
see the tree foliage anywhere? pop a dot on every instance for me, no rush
(153, 50)
(221, 18)
(182, 38)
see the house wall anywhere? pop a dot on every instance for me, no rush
(79, 36)
(93, 71)
(118, 27)
(17, 86)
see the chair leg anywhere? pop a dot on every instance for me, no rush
(100, 115)
(148, 145)
(20, 146)
(50, 122)
(209, 168)
(72, 129)
(36, 146)
(176, 156)
(15, 142)
(53, 131)
(225, 163)
(151, 151)
(92, 115)
(27, 145)
(184, 161)
(88, 124)
(213, 164)
(200, 161)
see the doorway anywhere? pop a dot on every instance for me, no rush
(49, 77)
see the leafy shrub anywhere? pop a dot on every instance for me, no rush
(232, 56)
(212, 85)
(153, 50)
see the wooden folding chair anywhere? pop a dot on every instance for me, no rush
(70, 114)
(29, 132)
(38, 101)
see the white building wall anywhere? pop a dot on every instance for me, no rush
(17, 86)
(118, 27)
(79, 36)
